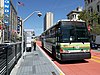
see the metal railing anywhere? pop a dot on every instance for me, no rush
(9, 55)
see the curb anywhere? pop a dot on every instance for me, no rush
(58, 69)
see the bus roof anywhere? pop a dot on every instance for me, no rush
(29, 30)
(67, 20)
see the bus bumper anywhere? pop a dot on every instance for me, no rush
(75, 56)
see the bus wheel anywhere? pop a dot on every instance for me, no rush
(42, 45)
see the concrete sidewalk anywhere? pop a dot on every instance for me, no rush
(35, 63)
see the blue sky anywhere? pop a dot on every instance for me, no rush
(60, 8)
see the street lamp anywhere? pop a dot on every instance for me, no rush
(39, 14)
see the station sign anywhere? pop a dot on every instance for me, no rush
(18, 25)
(7, 12)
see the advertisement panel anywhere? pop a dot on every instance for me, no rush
(7, 12)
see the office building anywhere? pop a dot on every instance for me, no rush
(48, 20)
(9, 21)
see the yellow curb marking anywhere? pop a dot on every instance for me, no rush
(95, 58)
(61, 74)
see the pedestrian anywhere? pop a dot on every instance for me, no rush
(34, 43)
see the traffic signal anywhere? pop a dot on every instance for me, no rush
(89, 27)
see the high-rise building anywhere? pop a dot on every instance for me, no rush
(48, 20)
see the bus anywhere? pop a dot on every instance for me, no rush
(67, 40)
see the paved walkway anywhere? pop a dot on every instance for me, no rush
(35, 63)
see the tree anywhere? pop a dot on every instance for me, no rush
(92, 19)
(85, 15)
(96, 30)
(1, 17)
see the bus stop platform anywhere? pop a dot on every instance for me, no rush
(35, 63)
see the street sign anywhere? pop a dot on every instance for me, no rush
(7, 12)
(18, 25)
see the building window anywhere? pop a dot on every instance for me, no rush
(88, 1)
(90, 10)
(91, 0)
(98, 20)
(98, 8)
(91, 22)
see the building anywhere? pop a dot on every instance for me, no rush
(73, 15)
(93, 6)
(1, 5)
(9, 21)
(1, 18)
(48, 20)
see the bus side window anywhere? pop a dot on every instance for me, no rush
(58, 34)
(72, 35)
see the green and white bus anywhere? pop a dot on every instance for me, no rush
(67, 40)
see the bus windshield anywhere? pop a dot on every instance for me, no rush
(74, 32)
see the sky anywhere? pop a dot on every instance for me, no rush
(59, 8)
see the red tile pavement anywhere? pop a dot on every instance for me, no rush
(93, 52)
(39, 43)
(89, 68)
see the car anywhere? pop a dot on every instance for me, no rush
(96, 43)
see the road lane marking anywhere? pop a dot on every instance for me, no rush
(98, 61)
(95, 58)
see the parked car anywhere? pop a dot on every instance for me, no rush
(95, 44)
